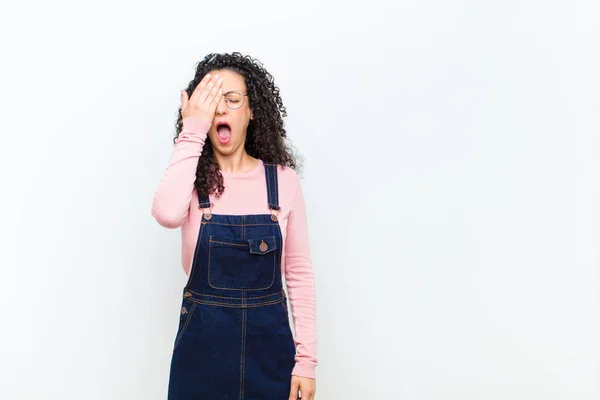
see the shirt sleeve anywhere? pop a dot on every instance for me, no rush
(299, 280)
(172, 198)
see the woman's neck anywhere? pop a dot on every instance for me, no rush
(236, 163)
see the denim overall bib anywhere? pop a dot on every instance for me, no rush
(234, 340)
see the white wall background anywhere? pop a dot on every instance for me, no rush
(451, 174)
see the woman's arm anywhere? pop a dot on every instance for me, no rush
(172, 198)
(301, 289)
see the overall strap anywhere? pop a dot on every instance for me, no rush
(204, 201)
(272, 186)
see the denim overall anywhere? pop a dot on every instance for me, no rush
(234, 340)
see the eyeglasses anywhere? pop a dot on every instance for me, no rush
(234, 99)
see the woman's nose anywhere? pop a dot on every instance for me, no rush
(222, 105)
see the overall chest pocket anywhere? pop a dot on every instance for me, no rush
(242, 264)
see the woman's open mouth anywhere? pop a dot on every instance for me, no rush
(223, 132)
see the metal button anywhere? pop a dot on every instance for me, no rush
(187, 294)
(274, 217)
(207, 216)
(263, 246)
(183, 310)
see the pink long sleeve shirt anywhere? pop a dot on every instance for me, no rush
(173, 207)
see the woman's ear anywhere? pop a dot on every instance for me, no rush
(251, 115)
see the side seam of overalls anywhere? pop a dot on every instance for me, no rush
(234, 339)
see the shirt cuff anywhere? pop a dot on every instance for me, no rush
(304, 370)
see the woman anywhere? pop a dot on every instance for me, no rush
(232, 187)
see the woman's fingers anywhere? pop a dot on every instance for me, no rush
(204, 100)
(216, 99)
(213, 95)
(306, 386)
(294, 390)
(307, 391)
(200, 87)
(213, 85)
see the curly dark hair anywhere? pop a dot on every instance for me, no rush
(266, 134)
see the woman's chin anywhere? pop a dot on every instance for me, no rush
(224, 148)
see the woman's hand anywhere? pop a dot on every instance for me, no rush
(204, 100)
(307, 387)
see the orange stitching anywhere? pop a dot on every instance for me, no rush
(234, 288)
(214, 303)
(243, 354)
(219, 223)
(232, 244)
(237, 298)
(185, 325)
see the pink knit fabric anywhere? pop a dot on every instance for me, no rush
(176, 205)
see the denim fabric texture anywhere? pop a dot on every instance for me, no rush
(234, 340)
